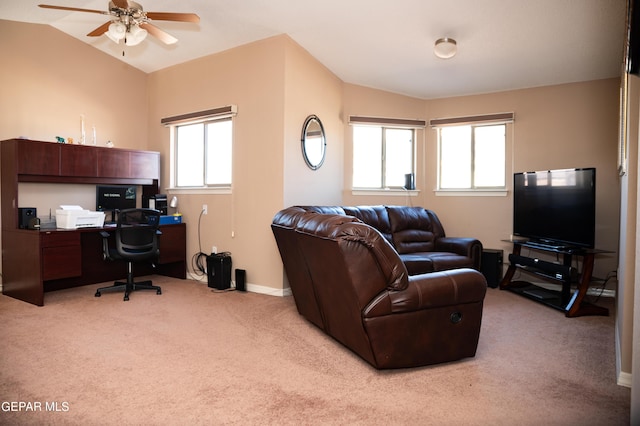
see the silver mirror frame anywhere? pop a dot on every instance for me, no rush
(313, 142)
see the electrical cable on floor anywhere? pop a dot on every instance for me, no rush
(610, 275)
(198, 261)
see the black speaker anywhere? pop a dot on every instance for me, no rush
(25, 214)
(241, 280)
(491, 266)
(219, 271)
(409, 181)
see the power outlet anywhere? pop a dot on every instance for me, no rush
(214, 249)
(205, 209)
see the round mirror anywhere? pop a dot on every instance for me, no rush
(313, 142)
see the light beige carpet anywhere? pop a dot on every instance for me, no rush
(192, 356)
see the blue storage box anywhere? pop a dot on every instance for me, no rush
(170, 220)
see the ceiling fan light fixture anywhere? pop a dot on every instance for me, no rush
(445, 48)
(135, 35)
(116, 31)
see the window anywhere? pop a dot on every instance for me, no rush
(201, 148)
(471, 157)
(203, 154)
(382, 156)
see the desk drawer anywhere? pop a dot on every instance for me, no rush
(61, 255)
(59, 239)
(61, 262)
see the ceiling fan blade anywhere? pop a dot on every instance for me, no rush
(73, 9)
(100, 30)
(158, 33)
(168, 16)
(122, 4)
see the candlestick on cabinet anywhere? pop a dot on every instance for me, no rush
(82, 134)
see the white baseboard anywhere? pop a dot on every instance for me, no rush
(591, 292)
(253, 288)
(624, 379)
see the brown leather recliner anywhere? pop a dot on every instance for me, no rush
(348, 280)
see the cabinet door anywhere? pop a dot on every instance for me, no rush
(77, 160)
(145, 165)
(172, 243)
(113, 163)
(38, 158)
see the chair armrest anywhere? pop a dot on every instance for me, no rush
(105, 245)
(432, 290)
(469, 247)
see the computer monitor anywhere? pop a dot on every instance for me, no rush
(115, 198)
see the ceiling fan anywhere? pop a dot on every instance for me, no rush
(129, 22)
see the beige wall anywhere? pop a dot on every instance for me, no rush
(310, 88)
(49, 79)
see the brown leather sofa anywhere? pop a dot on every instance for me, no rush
(417, 235)
(348, 280)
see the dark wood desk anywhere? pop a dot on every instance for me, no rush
(47, 260)
(34, 262)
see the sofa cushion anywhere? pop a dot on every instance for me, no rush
(375, 216)
(424, 262)
(417, 263)
(413, 229)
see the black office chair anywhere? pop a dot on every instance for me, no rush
(136, 239)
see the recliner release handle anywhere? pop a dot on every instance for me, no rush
(456, 317)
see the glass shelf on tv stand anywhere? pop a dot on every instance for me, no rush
(555, 247)
(572, 304)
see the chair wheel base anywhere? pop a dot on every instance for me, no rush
(129, 287)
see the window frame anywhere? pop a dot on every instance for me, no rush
(507, 119)
(226, 113)
(383, 155)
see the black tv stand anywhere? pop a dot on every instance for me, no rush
(574, 304)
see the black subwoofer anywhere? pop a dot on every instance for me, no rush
(491, 266)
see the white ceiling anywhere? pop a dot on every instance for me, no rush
(384, 44)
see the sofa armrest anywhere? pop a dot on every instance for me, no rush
(432, 290)
(469, 247)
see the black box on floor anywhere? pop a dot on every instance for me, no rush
(219, 271)
(491, 266)
(241, 280)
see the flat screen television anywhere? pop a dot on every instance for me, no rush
(115, 198)
(556, 207)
